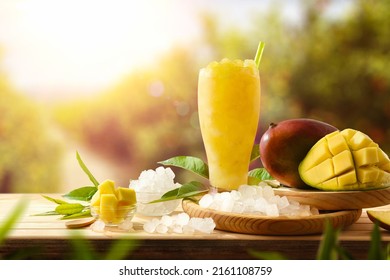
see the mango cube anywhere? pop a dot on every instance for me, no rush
(346, 160)
(126, 196)
(107, 187)
(108, 206)
(95, 200)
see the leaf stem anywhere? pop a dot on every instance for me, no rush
(259, 53)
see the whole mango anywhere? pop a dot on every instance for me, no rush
(284, 145)
(346, 160)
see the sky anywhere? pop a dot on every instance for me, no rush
(59, 49)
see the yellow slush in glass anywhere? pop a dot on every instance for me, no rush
(229, 109)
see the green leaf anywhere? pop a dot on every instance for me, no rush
(82, 214)
(260, 174)
(48, 213)
(55, 200)
(83, 193)
(255, 154)
(69, 208)
(190, 188)
(193, 164)
(185, 191)
(86, 170)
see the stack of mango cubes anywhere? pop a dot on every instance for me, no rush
(113, 205)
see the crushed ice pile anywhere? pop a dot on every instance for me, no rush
(180, 223)
(151, 185)
(259, 200)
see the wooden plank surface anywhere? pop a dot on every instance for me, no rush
(52, 236)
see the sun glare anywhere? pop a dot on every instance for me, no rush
(87, 45)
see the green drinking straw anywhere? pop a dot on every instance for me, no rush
(259, 53)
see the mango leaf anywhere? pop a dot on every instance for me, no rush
(255, 154)
(82, 214)
(86, 170)
(83, 193)
(69, 208)
(185, 191)
(257, 175)
(55, 200)
(193, 164)
(48, 213)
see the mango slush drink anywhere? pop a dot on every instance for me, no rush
(229, 109)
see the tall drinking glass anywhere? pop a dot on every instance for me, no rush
(229, 109)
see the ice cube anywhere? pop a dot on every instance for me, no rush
(274, 199)
(235, 195)
(283, 202)
(247, 191)
(227, 204)
(249, 205)
(161, 228)
(272, 210)
(127, 225)
(260, 204)
(205, 225)
(177, 228)
(238, 207)
(182, 219)
(166, 220)
(268, 192)
(206, 200)
(150, 226)
(98, 226)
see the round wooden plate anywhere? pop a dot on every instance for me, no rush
(283, 225)
(337, 200)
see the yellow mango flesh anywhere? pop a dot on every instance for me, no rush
(126, 196)
(108, 208)
(95, 200)
(346, 160)
(112, 204)
(107, 187)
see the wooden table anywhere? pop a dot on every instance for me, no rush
(46, 237)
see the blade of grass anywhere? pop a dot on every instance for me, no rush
(12, 219)
(121, 249)
(266, 255)
(82, 249)
(328, 245)
(375, 251)
(86, 170)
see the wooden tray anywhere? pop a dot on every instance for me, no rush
(283, 225)
(340, 200)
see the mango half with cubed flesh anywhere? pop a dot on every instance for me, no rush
(346, 160)
(113, 204)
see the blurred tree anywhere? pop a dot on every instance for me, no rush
(29, 156)
(343, 73)
(148, 117)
